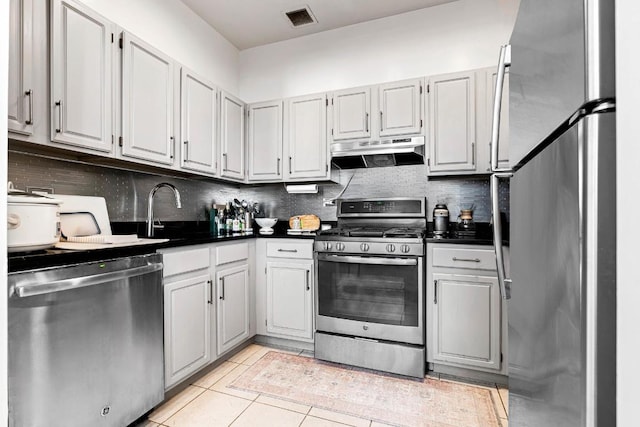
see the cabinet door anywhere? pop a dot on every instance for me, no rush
(81, 76)
(452, 127)
(306, 137)
(197, 123)
(233, 306)
(290, 299)
(400, 111)
(265, 141)
(351, 113)
(20, 90)
(466, 320)
(186, 327)
(147, 102)
(503, 145)
(231, 136)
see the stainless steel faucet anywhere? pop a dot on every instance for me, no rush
(150, 225)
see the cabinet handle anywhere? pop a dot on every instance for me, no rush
(435, 291)
(466, 259)
(278, 166)
(210, 299)
(308, 282)
(224, 161)
(473, 153)
(186, 150)
(289, 164)
(222, 293)
(29, 93)
(173, 148)
(381, 127)
(288, 250)
(59, 105)
(366, 122)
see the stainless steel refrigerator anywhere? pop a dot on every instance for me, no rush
(560, 280)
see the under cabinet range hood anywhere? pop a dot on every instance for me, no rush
(369, 154)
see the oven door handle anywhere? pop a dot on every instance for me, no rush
(351, 259)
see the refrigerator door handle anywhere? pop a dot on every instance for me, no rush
(503, 63)
(505, 283)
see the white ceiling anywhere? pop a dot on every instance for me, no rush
(250, 23)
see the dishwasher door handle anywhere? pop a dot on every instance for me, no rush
(84, 281)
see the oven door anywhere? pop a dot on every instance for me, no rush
(375, 297)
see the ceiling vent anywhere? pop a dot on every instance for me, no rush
(301, 17)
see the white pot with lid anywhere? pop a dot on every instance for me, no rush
(33, 221)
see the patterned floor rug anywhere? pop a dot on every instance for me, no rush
(371, 395)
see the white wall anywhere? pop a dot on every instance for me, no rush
(628, 203)
(169, 25)
(456, 36)
(4, 68)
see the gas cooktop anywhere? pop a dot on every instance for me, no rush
(382, 232)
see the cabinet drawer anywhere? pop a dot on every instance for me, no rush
(232, 253)
(290, 250)
(185, 261)
(476, 259)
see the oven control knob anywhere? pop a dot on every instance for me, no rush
(405, 249)
(364, 247)
(327, 246)
(340, 246)
(391, 247)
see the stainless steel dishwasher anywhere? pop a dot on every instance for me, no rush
(85, 343)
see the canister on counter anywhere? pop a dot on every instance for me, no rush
(440, 220)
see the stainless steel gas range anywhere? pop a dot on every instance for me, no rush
(370, 309)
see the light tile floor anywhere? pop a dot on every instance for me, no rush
(209, 402)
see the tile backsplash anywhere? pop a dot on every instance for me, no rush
(126, 192)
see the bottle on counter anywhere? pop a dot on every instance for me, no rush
(213, 220)
(220, 221)
(228, 218)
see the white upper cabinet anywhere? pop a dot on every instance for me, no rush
(306, 138)
(21, 93)
(400, 107)
(265, 141)
(351, 113)
(147, 102)
(81, 76)
(231, 136)
(198, 123)
(452, 125)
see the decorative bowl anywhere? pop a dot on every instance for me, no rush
(266, 224)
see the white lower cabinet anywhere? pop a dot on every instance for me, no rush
(285, 288)
(233, 306)
(465, 322)
(289, 299)
(203, 319)
(187, 312)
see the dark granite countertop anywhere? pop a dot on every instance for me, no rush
(178, 233)
(195, 233)
(482, 236)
